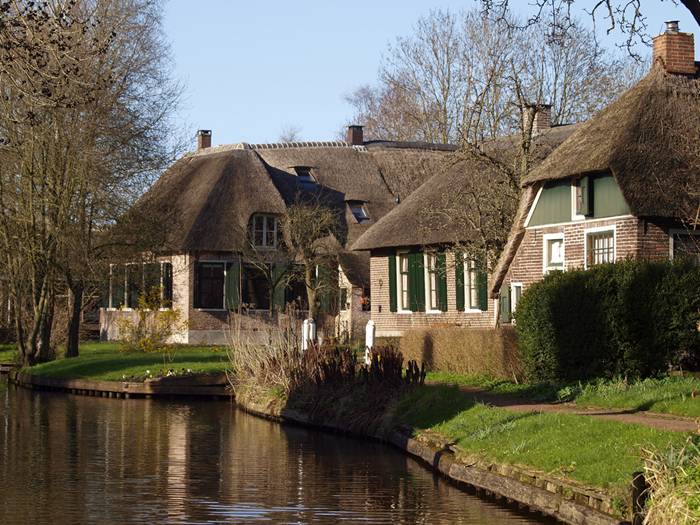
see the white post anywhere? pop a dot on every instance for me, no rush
(312, 331)
(369, 341)
(305, 335)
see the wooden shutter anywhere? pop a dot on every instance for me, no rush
(441, 267)
(586, 199)
(482, 289)
(392, 283)
(459, 281)
(278, 296)
(416, 282)
(506, 313)
(233, 284)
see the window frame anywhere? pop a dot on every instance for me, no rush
(195, 288)
(362, 217)
(672, 232)
(265, 218)
(587, 233)
(470, 283)
(430, 273)
(513, 298)
(546, 239)
(575, 185)
(400, 291)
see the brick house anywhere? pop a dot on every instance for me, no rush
(620, 186)
(419, 276)
(217, 203)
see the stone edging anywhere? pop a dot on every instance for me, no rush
(211, 385)
(565, 502)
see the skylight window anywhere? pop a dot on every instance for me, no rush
(304, 174)
(359, 211)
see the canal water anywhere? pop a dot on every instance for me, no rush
(73, 460)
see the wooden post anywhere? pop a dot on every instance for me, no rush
(640, 494)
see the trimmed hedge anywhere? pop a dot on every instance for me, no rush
(489, 352)
(632, 319)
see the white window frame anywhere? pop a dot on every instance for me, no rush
(513, 300)
(429, 309)
(546, 268)
(532, 208)
(265, 232)
(399, 285)
(600, 229)
(468, 306)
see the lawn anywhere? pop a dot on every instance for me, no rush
(595, 452)
(7, 353)
(104, 361)
(677, 395)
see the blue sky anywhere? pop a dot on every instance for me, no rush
(250, 69)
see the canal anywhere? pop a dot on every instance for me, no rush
(72, 459)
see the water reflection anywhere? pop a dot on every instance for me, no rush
(69, 459)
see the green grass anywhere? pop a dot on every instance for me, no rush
(669, 395)
(595, 452)
(8, 353)
(104, 361)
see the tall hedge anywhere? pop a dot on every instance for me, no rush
(632, 318)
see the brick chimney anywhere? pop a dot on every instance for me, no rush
(542, 115)
(675, 50)
(203, 139)
(354, 136)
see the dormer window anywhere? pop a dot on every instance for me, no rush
(265, 231)
(304, 174)
(359, 211)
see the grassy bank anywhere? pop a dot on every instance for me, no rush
(104, 361)
(670, 395)
(8, 353)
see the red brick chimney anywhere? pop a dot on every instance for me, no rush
(542, 115)
(203, 139)
(675, 50)
(354, 136)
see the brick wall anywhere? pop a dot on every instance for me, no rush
(353, 320)
(390, 323)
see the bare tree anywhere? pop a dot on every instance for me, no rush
(290, 133)
(624, 16)
(84, 122)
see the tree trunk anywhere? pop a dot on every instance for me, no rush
(310, 290)
(45, 351)
(76, 308)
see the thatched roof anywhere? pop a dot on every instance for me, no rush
(639, 138)
(428, 215)
(209, 196)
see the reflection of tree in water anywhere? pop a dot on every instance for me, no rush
(116, 461)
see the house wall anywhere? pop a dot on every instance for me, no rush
(351, 322)
(635, 237)
(393, 324)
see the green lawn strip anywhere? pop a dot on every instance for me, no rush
(8, 353)
(585, 449)
(669, 395)
(104, 361)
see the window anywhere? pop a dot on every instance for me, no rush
(432, 280)
(581, 197)
(304, 174)
(553, 252)
(265, 231)
(600, 246)
(128, 282)
(358, 211)
(209, 285)
(255, 288)
(471, 290)
(344, 303)
(516, 292)
(404, 297)
(117, 280)
(134, 284)
(167, 279)
(686, 245)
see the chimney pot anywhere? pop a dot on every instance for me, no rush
(354, 136)
(675, 50)
(203, 139)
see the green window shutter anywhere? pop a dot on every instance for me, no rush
(506, 313)
(392, 283)
(233, 283)
(441, 267)
(459, 281)
(482, 289)
(278, 296)
(416, 282)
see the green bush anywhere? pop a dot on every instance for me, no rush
(632, 319)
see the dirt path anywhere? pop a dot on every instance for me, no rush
(649, 419)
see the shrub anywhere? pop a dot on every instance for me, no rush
(490, 352)
(631, 319)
